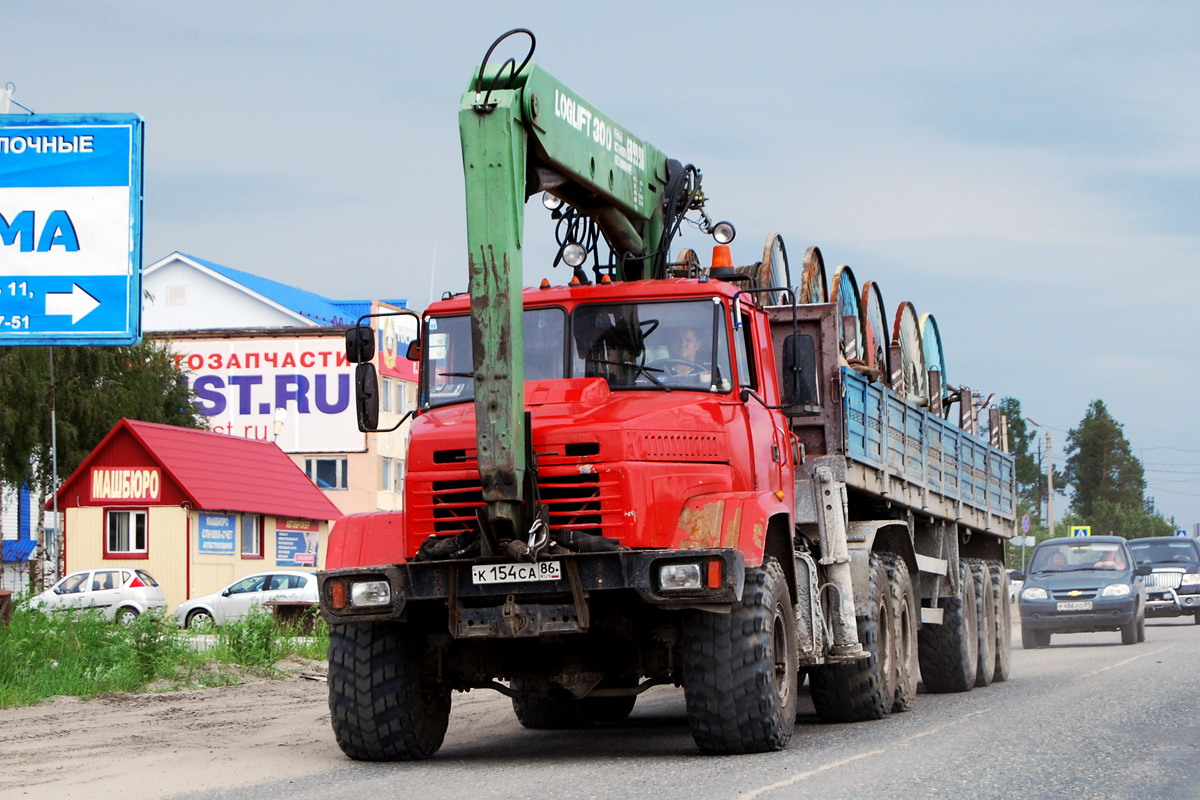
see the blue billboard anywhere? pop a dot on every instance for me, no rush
(70, 229)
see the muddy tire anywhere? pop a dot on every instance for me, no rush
(904, 625)
(986, 622)
(739, 669)
(949, 653)
(1032, 639)
(383, 708)
(538, 712)
(1003, 621)
(864, 689)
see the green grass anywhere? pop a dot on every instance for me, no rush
(83, 655)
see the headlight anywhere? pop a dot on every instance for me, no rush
(1190, 579)
(1115, 590)
(370, 593)
(679, 577)
(1034, 593)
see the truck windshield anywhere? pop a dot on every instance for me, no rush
(662, 346)
(651, 346)
(449, 376)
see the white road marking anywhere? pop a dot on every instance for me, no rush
(834, 765)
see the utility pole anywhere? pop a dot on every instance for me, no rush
(1049, 485)
(1049, 479)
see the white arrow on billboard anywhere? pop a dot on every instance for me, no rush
(78, 303)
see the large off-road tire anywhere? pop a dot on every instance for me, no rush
(739, 669)
(1033, 639)
(949, 653)
(1003, 621)
(866, 688)
(986, 622)
(382, 706)
(904, 625)
(539, 712)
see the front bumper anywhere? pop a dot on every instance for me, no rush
(1166, 602)
(522, 609)
(1106, 614)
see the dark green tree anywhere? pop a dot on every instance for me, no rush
(1107, 479)
(94, 387)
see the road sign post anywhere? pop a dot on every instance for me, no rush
(70, 229)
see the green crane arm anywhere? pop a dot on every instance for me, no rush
(522, 135)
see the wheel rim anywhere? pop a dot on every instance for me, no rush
(779, 655)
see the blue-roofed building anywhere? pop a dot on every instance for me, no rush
(18, 537)
(190, 293)
(251, 346)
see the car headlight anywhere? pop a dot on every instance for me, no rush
(365, 594)
(1033, 593)
(1115, 590)
(1190, 579)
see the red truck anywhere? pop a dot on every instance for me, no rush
(662, 473)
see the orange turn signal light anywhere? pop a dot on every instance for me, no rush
(714, 574)
(338, 589)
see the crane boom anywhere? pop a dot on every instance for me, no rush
(522, 134)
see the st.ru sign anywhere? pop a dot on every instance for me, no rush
(70, 229)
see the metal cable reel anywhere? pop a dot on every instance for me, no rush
(775, 270)
(935, 361)
(851, 331)
(813, 288)
(912, 382)
(875, 333)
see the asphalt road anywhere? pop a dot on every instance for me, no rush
(1085, 718)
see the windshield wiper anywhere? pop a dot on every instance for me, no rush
(642, 370)
(456, 374)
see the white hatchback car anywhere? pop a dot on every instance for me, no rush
(238, 598)
(122, 594)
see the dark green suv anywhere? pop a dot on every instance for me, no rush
(1080, 585)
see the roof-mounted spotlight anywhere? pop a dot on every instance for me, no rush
(551, 202)
(723, 232)
(574, 254)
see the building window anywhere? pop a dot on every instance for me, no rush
(126, 534)
(326, 473)
(385, 474)
(400, 475)
(401, 397)
(385, 394)
(252, 536)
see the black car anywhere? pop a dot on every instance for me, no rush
(1080, 585)
(1173, 587)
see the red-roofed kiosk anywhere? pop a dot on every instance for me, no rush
(196, 509)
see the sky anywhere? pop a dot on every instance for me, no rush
(1027, 172)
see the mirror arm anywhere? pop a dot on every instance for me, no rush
(410, 413)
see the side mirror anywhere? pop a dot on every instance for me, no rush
(414, 350)
(1017, 576)
(799, 371)
(360, 344)
(226, 593)
(366, 396)
(1143, 570)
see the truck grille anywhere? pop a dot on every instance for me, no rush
(575, 501)
(1168, 580)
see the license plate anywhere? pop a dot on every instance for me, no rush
(1076, 605)
(516, 573)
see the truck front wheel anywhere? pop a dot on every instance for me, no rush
(739, 669)
(949, 653)
(989, 633)
(866, 688)
(382, 706)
